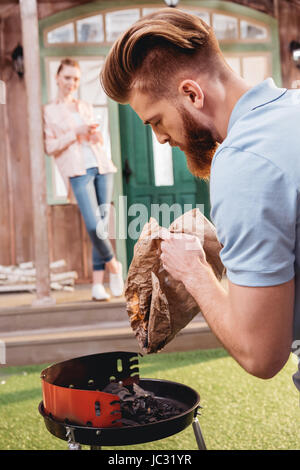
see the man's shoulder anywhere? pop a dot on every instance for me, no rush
(260, 149)
(268, 131)
(237, 157)
(239, 169)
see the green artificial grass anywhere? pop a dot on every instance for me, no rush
(239, 411)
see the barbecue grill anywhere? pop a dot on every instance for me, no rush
(75, 408)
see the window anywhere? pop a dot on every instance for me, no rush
(62, 34)
(204, 15)
(163, 163)
(118, 21)
(105, 27)
(254, 68)
(225, 27)
(252, 31)
(90, 29)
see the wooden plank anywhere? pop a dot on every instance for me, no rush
(73, 239)
(5, 232)
(23, 277)
(266, 6)
(50, 238)
(66, 237)
(30, 266)
(14, 279)
(32, 287)
(7, 10)
(30, 35)
(19, 160)
(7, 198)
(47, 8)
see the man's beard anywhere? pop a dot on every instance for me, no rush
(200, 146)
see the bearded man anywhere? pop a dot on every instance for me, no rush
(168, 66)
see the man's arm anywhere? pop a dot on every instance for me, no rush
(253, 323)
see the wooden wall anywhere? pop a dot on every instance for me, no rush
(5, 216)
(264, 6)
(289, 30)
(49, 8)
(17, 169)
(67, 235)
(68, 239)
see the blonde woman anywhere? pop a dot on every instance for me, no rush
(72, 138)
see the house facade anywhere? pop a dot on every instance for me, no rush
(255, 37)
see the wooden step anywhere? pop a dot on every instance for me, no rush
(15, 319)
(38, 347)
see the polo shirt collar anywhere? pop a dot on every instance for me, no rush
(259, 95)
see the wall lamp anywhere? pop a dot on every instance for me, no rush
(295, 51)
(172, 3)
(18, 61)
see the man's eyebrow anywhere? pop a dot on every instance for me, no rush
(148, 121)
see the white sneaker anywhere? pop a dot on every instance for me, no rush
(99, 293)
(116, 283)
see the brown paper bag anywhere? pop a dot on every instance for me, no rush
(158, 306)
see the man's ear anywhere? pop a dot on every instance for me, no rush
(191, 90)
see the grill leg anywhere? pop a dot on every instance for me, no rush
(72, 445)
(198, 434)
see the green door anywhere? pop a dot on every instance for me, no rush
(146, 195)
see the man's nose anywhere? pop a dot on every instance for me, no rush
(162, 138)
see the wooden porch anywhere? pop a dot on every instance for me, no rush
(76, 326)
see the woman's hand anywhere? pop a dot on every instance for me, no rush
(96, 138)
(182, 256)
(86, 130)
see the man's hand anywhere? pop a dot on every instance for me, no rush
(182, 255)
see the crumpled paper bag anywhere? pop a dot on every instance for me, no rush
(158, 306)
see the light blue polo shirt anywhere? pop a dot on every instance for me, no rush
(254, 190)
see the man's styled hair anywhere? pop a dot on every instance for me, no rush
(69, 62)
(156, 50)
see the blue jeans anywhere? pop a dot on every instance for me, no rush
(93, 193)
